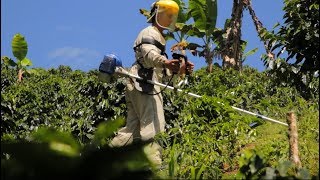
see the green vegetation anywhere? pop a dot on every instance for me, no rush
(61, 110)
(210, 135)
(299, 38)
(57, 123)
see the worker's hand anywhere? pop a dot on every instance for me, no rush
(190, 67)
(186, 67)
(173, 65)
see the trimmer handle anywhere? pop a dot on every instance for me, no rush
(178, 56)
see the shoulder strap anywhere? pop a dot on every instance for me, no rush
(153, 42)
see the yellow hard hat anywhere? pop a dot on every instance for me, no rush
(169, 6)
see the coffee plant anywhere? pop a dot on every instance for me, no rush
(204, 139)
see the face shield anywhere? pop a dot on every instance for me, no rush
(166, 18)
(165, 14)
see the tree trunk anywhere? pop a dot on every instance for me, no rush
(20, 73)
(209, 59)
(232, 53)
(209, 68)
(293, 139)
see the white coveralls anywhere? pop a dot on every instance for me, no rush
(145, 116)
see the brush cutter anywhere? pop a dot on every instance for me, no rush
(112, 64)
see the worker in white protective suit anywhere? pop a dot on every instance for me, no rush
(145, 116)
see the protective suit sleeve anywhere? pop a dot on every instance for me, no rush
(151, 56)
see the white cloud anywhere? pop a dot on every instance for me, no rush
(72, 52)
(76, 58)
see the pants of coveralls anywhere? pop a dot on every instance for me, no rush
(145, 119)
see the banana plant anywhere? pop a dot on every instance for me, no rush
(19, 50)
(204, 15)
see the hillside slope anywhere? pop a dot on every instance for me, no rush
(205, 137)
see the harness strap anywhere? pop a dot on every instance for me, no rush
(157, 44)
(153, 42)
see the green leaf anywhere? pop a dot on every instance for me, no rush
(193, 172)
(193, 46)
(284, 167)
(60, 142)
(173, 162)
(204, 13)
(185, 28)
(19, 47)
(26, 62)
(196, 32)
(179, 26)
(106, 129)
(276, 46)
(243, 44)
(183, 16)
(8, 61)
(303, 174)
(252, 51)
(203, 167)
(212, 13)
(197, 12)
(276, 25)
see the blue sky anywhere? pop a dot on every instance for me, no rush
(78, 33)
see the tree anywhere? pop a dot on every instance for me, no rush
(204, 14)
(231, 51)
(232, 46)
(229, 45)
(259, 28)
(299, 37)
